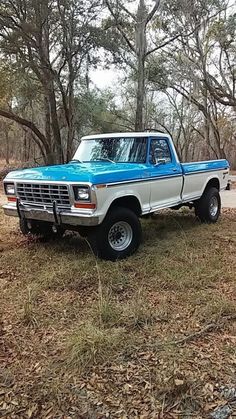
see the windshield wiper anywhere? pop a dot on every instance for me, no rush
(75, 160)
(105, 159)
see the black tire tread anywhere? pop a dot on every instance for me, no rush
(202, 206)
(98, 235)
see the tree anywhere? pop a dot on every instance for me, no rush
(49, 40)
(133, 28)
(222, 84)
(188, 65)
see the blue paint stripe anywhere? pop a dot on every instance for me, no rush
(162, 177)
(143, 180)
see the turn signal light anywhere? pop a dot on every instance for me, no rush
(11, 199)
(84, 205)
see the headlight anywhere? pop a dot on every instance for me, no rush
(10, 189)
(81, 193)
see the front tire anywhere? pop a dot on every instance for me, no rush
(208, 208)
(118, 236)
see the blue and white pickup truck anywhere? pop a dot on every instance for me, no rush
(112, 181)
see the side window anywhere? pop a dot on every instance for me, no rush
(159, 149)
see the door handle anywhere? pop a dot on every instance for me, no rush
(174, 170)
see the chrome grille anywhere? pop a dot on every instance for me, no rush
(36, 193)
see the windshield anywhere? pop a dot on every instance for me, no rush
(116, 150)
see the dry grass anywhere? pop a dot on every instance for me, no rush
(91, 345)
(82, 338)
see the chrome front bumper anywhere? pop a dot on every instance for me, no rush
(65, 217)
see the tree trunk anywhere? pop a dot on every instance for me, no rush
(141, 43)
(42, 10)
(7, 146)
(25, 147)
(55, 124)
(70, 114)
(50, 156)
(70, 138)
(140, 95)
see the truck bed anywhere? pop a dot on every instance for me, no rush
(204, 166)
(197, 174)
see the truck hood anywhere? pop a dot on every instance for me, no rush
(94, 172)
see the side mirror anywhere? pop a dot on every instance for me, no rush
(160, 161)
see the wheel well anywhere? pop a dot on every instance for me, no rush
(130, 202)
(213, 183)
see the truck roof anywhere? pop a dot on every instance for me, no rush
(126, 134)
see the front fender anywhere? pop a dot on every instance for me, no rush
(106, 196)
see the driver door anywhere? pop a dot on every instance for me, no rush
(166, 174)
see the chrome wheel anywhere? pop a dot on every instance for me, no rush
(120, 236)
(214, 206)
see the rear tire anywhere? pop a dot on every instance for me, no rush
(208, 208)
(46, 231)
(118, 236)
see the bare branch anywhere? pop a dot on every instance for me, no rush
(126, 11)
(163, 45)
(161, 125)
(182, 34)
(153, 11)
(130, 45)
(24, 122)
